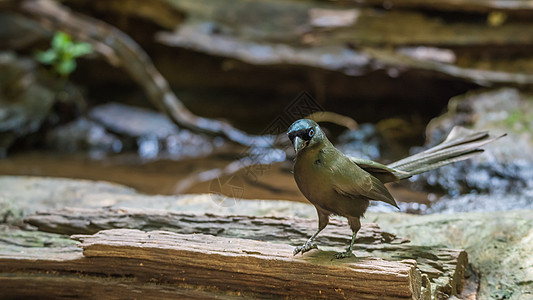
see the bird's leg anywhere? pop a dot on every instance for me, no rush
(348, 252)
(355, 225)
(323, 220)
(308, 245)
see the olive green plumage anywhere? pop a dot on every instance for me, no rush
(337, 184)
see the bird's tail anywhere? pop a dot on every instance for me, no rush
(460, 144)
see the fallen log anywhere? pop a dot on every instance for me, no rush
(445, 268)
(209, 264)
(53, 285)
(293, 230)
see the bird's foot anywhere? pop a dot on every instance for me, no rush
(345, 254)
(304, 248)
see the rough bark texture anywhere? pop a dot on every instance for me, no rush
(445, 268)
(210, 263)
(54, 285)
(90, 221)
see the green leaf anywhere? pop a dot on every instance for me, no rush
(80, 49)
(61, 41)
(47, 57)
(63, 53)
(66, 67)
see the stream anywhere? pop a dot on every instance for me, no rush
(171, 177)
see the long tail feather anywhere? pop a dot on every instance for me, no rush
(460, 144)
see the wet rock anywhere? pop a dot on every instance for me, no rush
(365, 142)
(505, 168)
(153, 134)
(83, 135)
(385, 141)
(132, 121)
(24, 102)
(186, 143)
(483, 202)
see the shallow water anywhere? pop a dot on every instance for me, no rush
(157, 176)
(168, 177)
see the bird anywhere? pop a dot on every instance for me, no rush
(337, 184)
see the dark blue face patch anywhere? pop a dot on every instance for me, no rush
(303, 129)
(304, 134)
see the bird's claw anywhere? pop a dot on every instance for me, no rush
(304, 248)
(345, 254)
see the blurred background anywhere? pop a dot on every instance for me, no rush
(193, 96)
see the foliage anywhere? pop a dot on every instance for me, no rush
(63, 53)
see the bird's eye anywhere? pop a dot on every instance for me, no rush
(311, 133)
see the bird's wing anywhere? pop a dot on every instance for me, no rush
(383, 173)
(365, 185)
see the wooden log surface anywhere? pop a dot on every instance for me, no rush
(213, 265)
(266, 268)
(51, 285)
(292, 230)
(445, 268)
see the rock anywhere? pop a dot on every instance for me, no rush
(386, 141)
(17, 32)
(499, 245)
(505, 110)
(345, 38)
(83, 135)
(20, 196)
(133, 121)
(153, 134)
(483, 202)
(24, 102)
(506, 166)
(364, 142)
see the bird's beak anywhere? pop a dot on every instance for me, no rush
(298, 144)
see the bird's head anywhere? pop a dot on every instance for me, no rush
(305, 133)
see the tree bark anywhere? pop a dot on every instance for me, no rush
(444, 268)
(213, 264)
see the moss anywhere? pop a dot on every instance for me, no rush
(519, 121)
(34, 239)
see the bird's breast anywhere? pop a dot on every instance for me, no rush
(313, 177)
(318, 177)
